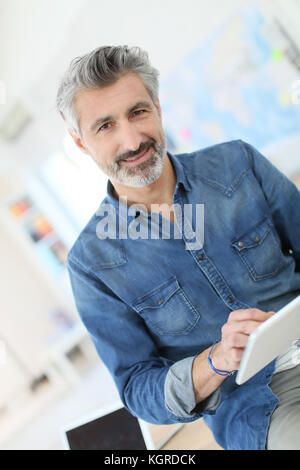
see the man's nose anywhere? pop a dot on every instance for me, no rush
(130, 138)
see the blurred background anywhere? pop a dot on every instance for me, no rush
(228, 70)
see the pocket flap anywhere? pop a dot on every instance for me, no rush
(158, 296)
(253, 237)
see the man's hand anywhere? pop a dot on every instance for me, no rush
(228, 353)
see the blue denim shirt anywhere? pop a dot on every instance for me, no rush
(152, 305)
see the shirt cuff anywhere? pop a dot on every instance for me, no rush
(179, 392)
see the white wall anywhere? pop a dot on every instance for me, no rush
(30, 33)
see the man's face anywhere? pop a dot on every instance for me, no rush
(121, 129)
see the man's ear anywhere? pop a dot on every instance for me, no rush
(78, 141)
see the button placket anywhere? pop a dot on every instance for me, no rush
(217, 281)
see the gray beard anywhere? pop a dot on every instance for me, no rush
(142, 174)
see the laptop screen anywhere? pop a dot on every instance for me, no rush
(118, 430)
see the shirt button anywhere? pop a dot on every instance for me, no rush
(256, 239)
(159, 301)
(240, 244)
(200, 257)
(229, 300)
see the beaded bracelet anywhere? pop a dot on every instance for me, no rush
(217, 371)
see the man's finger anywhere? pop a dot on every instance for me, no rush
(250, 314)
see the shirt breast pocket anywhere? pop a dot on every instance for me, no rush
(259, 249)
(167, 310)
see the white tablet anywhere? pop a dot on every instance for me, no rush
(269, 340)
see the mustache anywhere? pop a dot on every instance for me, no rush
(143, 146)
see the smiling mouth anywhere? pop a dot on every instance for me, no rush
(141, 156)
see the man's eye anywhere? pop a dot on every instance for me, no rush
(139, 111)
(104, 126)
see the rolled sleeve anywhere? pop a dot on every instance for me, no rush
(179, 392)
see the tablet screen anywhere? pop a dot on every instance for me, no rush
(118, 430)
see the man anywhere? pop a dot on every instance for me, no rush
(156, 306)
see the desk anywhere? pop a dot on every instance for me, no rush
(191, 436)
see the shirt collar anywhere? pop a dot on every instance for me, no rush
(181, 179)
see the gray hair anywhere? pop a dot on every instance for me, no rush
(103, 66)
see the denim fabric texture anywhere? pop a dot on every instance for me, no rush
(152, 305)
